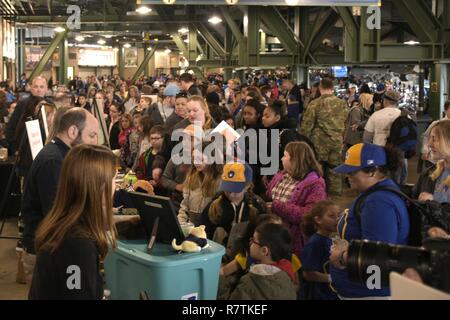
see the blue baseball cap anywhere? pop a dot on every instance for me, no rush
(235, 177)
(362, 156)
(381, 87)
(171, 90)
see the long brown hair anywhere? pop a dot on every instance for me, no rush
(208, 119)
(303, 160)
(83, 205)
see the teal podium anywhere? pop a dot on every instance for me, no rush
(164, 274)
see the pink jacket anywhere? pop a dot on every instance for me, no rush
(306, 194)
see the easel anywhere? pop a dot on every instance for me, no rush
(97, 109)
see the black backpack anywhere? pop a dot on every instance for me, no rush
(422, 215)
(403, 135)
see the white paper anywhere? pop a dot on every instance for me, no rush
(34, 137)
(227, 131)
(44, 120)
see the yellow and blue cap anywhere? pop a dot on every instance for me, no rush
(235, 177)
(362, 156)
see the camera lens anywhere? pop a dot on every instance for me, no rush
(364, 255)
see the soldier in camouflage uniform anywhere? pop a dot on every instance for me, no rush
(324, 124)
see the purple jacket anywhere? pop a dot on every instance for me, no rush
(306, 194)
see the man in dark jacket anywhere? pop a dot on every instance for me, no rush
(187, 84)
(76, 126)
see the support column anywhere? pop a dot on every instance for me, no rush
(439, 86)
(300, 74)
(21, 34)
(120, 62)
(63, 61)
(192, 45)
(228, 73)
(263, 41)
(146, 69)
(253, 36)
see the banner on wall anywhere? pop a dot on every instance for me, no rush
(130, 57)
(32, 57)
(97, 58)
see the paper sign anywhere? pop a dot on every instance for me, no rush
(44, 120)
(227, 131)
(34, 137)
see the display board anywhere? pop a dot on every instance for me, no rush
(97, 57)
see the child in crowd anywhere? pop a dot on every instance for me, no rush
(272, 277)
(145, 124)
(125, 128)
(152, 162)
(141, 108)
(129, 150)
(201, 185)
(227, 216)
(319, 225)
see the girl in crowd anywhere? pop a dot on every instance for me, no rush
(296, 189)
(434, 183)
(382, 215)
(234, 206)
(272, 277)
(125, 128)
(180, 113)
(320, 224)
(132, 99)
(79, 228)
(115, 113)
(129, 150)
(145, 125)
(197, 114)
(201, 185)
(252, 115)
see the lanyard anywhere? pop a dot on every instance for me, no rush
(241, 210)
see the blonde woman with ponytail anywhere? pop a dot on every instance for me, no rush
(434, 184)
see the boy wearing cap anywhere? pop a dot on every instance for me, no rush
(234, 205)
(383, 215)
(161, 112)
(379, 124)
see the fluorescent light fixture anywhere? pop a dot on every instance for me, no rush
(79, 38)
(149, 48)
(101, 42)
(292, 2)
(127, 45)
(143, 10)
(108, 36)
(186, 40)
(59, 29)
(215, 20)
(183, 30)
(411, 43)
(167, 51)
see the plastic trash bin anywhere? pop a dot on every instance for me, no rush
(164, 274)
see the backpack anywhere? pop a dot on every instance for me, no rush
(403, 135)
(422, 215)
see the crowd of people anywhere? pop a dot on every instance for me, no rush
(285, 234)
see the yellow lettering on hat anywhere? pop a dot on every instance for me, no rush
(234, 172)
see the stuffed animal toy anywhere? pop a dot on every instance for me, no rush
(194, 242)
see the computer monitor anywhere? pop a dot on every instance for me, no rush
(159, 218)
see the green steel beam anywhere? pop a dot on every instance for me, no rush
(231, 23)
(63, 61)
(312, 35)
(351, 29)
(422, 21)
(192, 45)
(110, 10)
(198, 72)
(47, 54)
(110, 19)
(276, 25)
(144, 64)
(210, 39)
(253, 36)
(180, 44)
(330, 21)
(397, 52)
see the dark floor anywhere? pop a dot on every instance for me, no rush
(10, 290)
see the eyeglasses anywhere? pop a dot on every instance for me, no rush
(155, 138)
(253, 241)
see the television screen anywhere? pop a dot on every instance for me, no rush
(340, 71)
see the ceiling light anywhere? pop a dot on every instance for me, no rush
(79, 38)
(127, 45)
(143, 10)
(167, 51)
(183, 30)
(186, 40)
(156, 39)
(215, 20)
(108, 36)
(149, 48)
(59, 29)
(101, 42)
(292, 2)
(411, 43)
(116, 49)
